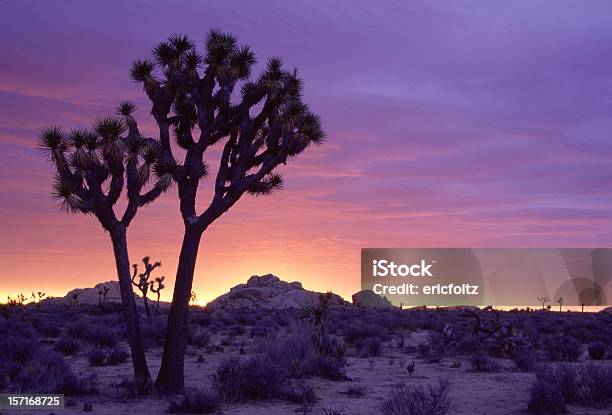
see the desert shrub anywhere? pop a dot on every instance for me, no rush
(117, 356)
(102, 336)
(95, 333)
(355, 391)
(594, 384)
(253, 379)
(358, 331)
(556, 386)
(333, 411)
(466, 345)
(67, 346)
(47, 372)
(196, 401)
(263, 328)
(546, 398)
(96, 357)
(331, 346)
(597, 350)
(201, 338)
(562, 348)
(405, 400)
(236, 330)
(525, 358)
(297, 354)
(292, 351)
(328, 367)
(298, 391)
(434, 349)
(17, 349)
(482, 363)
(49, 328)
(369, 347)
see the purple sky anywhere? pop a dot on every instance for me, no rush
(449, 124)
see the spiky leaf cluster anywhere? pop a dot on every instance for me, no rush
(193, 95)
(93, 166)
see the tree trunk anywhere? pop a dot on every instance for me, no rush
(141, 370)
(146, 304)
(171, 374)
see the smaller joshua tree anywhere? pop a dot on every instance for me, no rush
(560, 301)
(544, 300)
(143, 279)
(157, 290)
(193, 297)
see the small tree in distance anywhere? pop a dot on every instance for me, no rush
(543, 300)
(93, 167)
(157, 289)
(191, 95)
(143, 280)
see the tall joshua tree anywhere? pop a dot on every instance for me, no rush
(92, 168)
(191, 95)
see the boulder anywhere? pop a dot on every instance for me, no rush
(368, 298)
(269, 292)
(90, 295)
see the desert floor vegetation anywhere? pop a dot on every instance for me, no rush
(350, 361)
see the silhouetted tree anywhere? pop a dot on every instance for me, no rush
(544, 300)
(157, 289)
(191, 95)
(143, 280)
(92, 169)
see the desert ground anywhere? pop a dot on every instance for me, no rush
(331, 358)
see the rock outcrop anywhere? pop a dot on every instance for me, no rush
(368, 298)
(268, 291)
(90, 295)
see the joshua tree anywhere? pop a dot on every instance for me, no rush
(560, 301)
(269, 124)
(18, 300)
(143, 280)
(544, 300)
(193, 297)
(157, 290)
(92, 168)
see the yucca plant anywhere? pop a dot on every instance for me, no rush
(93, 168)
(268, 124)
